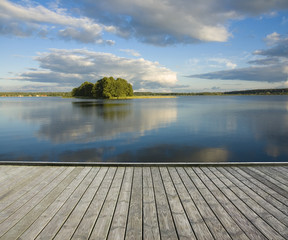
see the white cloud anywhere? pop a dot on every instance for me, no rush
(165, 22)
(223, 61)
(27, 20)
(131, 52)
(262, 74)
(72, 67)
(160, 22)
(272, 38)
(271, 67)
(279, 46)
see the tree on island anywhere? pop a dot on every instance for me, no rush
(85, 90)
(104, 88)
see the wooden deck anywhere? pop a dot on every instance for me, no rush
(144, 202)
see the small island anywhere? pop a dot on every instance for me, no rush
(107, 88)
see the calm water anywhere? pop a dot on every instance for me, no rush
(183, 129)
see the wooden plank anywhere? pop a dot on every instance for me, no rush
(231, 225)
(13, 185)
(181, 221)
(10, 216)
(52, 228)
(250, 198)
(37, 226)
(36, 206)
(228, 205)
(23, 192)
(88, 221)
(118, 226)
(134, 224)
(102, 226)
(8, 173)
(150, 218)
(166, 224)
(211, 220)
(276, 175)
(260, 224)
(156, 202)
(70, 225)
(282, 170)
(269, 182)
(198, 224)
(262, 186)
(262, 201)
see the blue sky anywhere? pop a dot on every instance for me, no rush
(157, 45)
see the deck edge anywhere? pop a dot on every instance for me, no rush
(137, 164)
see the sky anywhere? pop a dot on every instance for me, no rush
(156, 45)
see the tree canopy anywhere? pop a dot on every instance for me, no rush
(104, 88)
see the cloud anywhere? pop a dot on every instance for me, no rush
(161, 22)
(271, 67)
(263, 74)
(264, 61)
(227, 63)
(131, 52)
(23, 21)
(165, 22)
(72, 67)
(279, 48)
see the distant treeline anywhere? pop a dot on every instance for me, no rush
(175, 94)
(282, 91)
(35, 94)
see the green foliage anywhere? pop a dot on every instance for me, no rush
(84, 90)
(104, 88)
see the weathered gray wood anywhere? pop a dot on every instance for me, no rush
(166, 224)
(277, 176)
(13, 185)
(261, 225)
(282, 170)
(275, 173)
(262, 186)
(251, 199)
(8, 173)
(88, 221)
(150, 218)
(181, 221)
(22, 193)
(269, 182)
(145, 202)
(259, 188)
(37, 205)
(191, 183)
(134, 224)
(101, 228)
(118, 226)
(36, 227)
(75, 217)
(228, 222)
(51, 229)
(9, 222)
(262, 201)
(198, 224)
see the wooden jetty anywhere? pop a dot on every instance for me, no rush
(183, 201)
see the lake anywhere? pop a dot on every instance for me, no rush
(182, 129)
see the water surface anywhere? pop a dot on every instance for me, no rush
(183, 129)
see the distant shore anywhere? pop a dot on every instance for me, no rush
(282, 91)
